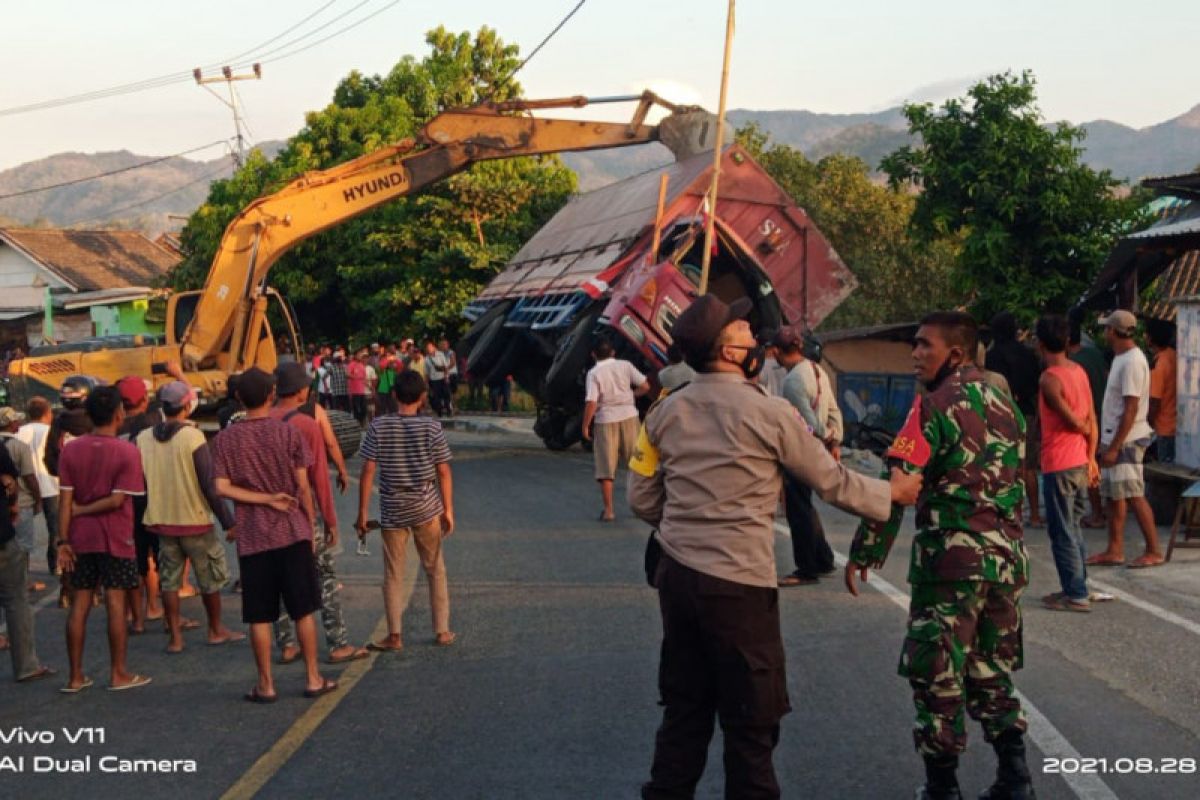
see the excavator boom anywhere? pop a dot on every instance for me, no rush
(316, 201)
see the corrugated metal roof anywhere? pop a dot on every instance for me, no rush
(1185, 185)
(1185, 222)
(593, 229)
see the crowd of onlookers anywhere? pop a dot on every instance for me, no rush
(360, 381)
(131, 490)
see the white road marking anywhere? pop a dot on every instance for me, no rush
(1043, 733)
(1166, 616)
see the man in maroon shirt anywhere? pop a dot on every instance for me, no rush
(261, 464)
(98, 473)
(297, 407)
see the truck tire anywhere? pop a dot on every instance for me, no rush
(574, 350)
(468, 340)
(489, 348)
(559, 431)
(346, 430)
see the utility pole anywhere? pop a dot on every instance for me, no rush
(233, 103)
(710, 218)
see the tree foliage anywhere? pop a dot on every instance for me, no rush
(900, 279)
(1036, 222)
(409, 267)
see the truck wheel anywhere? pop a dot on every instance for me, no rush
(489, 348)
(557, 430)
(346, 430)
(468, 340)
(574, 349)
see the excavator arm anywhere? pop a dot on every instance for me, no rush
(316, 201)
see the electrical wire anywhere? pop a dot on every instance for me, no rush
(504, 81)
(110, 173)
(176, 77)
(338, 32)
(110, 215)
(263, 58)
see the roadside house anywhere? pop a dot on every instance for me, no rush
(93, 283)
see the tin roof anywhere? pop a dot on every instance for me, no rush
(1186, 185)
(92, 260)
(593, 229)
(1166, 251)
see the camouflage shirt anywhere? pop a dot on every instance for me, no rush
(968, 441)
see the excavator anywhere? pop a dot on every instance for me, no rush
(224, 328)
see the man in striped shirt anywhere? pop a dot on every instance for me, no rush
(415, 498)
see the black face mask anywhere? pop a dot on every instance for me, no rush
(754, 360)
(947, 369)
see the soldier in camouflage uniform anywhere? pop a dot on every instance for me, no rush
(968, 565)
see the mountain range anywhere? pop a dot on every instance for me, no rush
(152, 198)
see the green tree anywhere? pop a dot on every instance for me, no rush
(1036, 223)
(409, 267)
(900, 278)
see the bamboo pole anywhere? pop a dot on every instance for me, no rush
(658, 217)
(710, 218)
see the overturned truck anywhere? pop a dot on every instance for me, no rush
(590, 273)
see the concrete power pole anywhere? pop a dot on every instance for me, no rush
(233, 103)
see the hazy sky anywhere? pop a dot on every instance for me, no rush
(1130, 62)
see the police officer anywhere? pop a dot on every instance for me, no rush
(968, 563)
(707, 475)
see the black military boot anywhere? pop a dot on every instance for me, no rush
(1013, 781)
(941, 779)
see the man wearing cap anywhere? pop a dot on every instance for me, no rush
(1124, 436)
(181, 495)
(146, 600)
(802, 388)
(298, 408)
(261, 464)
(709, 478)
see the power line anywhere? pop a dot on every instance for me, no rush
(537, 49)
(169, 78)
(112, 214)
(338, 32)
(262, 57)
(100, 175)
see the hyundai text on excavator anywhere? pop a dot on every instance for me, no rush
(223, 328)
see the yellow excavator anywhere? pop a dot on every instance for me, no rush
(223, 329)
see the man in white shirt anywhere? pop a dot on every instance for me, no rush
(1124, 436)
(34, 433)
(612, 388)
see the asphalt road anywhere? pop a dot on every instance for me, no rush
(550, 690)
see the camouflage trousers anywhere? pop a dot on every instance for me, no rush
(963, 641)
(331, 602)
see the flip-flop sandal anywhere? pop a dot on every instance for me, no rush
(358, 655)
(327, 686)
(233, 636)
(603, 518)
(450, 638)
(796, 580)
(137, 682)
(384, 648)
(253, 696)
(43, 672)
(1066, 604)
(1144, 563)
(1105, 561)
(1101, 597)
(87, 683)
(171, 652)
